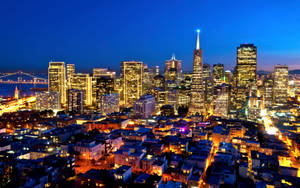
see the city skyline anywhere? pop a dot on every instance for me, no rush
(34, 37)
(188, 94)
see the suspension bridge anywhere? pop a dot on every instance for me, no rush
(18, 78)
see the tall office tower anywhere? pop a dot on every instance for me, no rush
(83, 82)
(281, 79)
(132, 79)
(103, 82)
(57, 79)
(197, 93)
(48, 100)
(70, 73)
(144, 107)
(147, 79)
(173, 70)
(75, 100)
(268, 92)
(246, 65)
(218, 74)
(245, 73)
(109, 103)
(101, 86)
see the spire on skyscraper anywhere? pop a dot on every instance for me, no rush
(173, 56)
(198, 40)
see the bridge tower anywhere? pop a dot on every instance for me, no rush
(19, 80)
(34, 82)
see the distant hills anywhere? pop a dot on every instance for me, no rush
(262, 72)
(296, 71)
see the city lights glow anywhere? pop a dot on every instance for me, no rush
(148, 125)
(16, 105)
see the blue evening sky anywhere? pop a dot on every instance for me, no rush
(102, 33)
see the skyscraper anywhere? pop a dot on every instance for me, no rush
(246, 65)
(103, 82)
(245, 73)
(281, 79)
(268, 92)
(101, 86)
(218, 74)
(75, 100)
(70, 73)
(132, 77)
(83, 82)
(197, 94)
(173, 70)
(147, 79)
(57, 79)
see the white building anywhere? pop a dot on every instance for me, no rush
(145, 106)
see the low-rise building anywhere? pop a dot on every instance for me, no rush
(90, 150)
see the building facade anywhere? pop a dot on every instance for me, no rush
(245, 73)
(75, 100)
(48, 100)
(246, 65)
(108, 103)
(173, 70)
(281, 79)
(132, 79)
(144, 107)
(268, 92)
(101, 86)
(57, 79)
(70, 73)
(83, 82)
(221, 104)
(218, 74)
